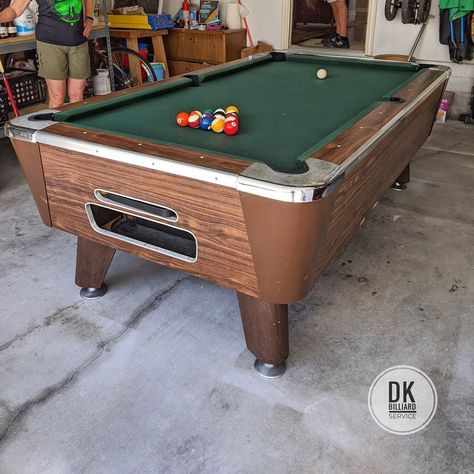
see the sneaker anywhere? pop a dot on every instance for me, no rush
(340, 42)
(326, 42)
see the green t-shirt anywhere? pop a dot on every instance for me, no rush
(60, 22)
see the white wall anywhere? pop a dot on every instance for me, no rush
(395, 37)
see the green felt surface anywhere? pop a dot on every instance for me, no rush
(286, 113)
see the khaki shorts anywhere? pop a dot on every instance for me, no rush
(60, 62)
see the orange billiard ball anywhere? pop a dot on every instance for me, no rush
(182, 119)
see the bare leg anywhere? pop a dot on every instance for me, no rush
(56, 92)
(341, 14)
(75, 89)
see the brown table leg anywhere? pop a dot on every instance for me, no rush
(160, 53)
(400, 183)
(135, 69)
(266, 333)
(92, 262)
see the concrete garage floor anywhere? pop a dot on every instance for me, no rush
(155, 377)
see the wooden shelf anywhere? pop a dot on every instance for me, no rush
(24, 43)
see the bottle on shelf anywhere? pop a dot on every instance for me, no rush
(3, 26)
(185, 9)
(3, 31)
(11, 29)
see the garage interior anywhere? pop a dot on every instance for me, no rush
(155, 376)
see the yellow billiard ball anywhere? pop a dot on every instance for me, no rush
(321, 74)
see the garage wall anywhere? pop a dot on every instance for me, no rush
(395, 37)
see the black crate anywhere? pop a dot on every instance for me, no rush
(3, 106)
(27, 89)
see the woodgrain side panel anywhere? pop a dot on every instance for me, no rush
(212, 213)
(28, 155)
(366, 184)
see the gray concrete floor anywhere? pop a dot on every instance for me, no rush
(154, 377)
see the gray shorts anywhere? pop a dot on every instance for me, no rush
(60, 62)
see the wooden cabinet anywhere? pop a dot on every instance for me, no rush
(189, 50)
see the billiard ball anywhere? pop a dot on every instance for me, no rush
(206, 122)
(232, 109)
(231, 115)
(194, 119)
(219, 113)
(207, 111)
(182, 119)
(321, 73)
(218, 125)
(231, 127)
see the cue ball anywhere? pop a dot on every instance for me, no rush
(321, 74)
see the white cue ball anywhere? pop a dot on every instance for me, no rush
(321, 74)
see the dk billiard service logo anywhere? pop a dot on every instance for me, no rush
(402, 400)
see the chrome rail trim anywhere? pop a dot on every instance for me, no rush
(142, 160)
(104, 200)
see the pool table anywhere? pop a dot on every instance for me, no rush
(264, 212)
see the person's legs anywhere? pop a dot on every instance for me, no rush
(56, 92)
(53, 67)
(341, 14)
(79, 71)
(75, 89)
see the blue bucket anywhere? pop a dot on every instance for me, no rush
(159, 69)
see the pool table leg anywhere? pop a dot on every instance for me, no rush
(92, 262)
(266, 334)
(400, 183)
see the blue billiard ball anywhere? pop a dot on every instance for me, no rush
(206, 122)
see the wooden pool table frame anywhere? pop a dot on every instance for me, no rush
(267, 235)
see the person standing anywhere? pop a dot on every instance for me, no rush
(341, 13)
(61, 43)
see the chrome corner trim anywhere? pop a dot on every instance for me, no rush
(444, 69)
(275, 191)
(362, 151)
(320, 180)
(24, 129)
(137, 243)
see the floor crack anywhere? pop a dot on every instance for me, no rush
(46, 322)
(137, 315)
